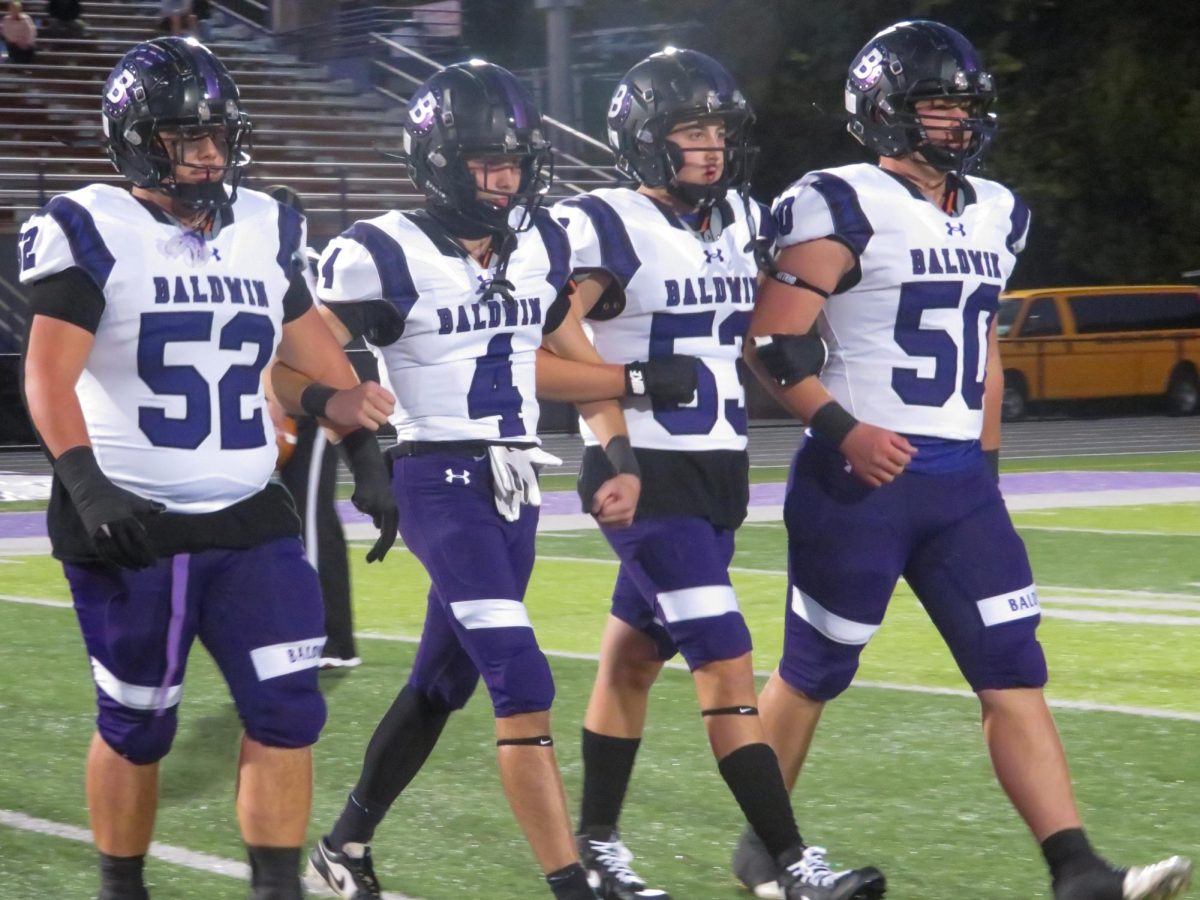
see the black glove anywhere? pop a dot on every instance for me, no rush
(669, 378)
(372, 488)
(112, 516)
(993, 463)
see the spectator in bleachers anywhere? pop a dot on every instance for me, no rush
(20, 34)
(176, 16)
(62, 18)
(201, 13)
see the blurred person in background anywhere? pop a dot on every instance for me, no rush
(20, 35)
(310, 473)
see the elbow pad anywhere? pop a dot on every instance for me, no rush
(790, 358)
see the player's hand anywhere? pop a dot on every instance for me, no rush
(372, 488)
(616, 500)
(366, 405)
(111, 515)
(876, 455)
(669, 378)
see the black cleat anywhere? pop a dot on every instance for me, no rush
(349, 877)
(810, 878)
(1159, 881)
(606, 860)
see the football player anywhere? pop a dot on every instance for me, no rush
(155, 311)
(458, 298)
(680, 128)
(899, 265)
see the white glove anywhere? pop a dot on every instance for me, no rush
(514, 478)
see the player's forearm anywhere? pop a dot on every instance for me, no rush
(802, 399)
(572, 381)
(604, 418)
(56, 414)
(993, 396)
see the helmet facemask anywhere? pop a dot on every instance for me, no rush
(737, 163)
(948, 151)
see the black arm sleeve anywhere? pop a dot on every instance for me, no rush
(558, 311)
(297, 301)
(376, 320)
(70, 295)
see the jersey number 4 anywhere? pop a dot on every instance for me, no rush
(492, 392)
(158, 331)
(938, 345)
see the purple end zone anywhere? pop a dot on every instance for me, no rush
(554, 503)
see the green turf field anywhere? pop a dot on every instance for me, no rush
(898, 777)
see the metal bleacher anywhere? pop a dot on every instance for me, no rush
(322, 136)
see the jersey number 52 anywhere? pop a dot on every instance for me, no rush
(158, 330)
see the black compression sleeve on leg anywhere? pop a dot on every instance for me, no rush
(399, 747)
(121, 876)
(275, 873)
(752, 773)
(607, 768)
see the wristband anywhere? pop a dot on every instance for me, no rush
(314, 398)
(993, 462)
(832, 422)
(620, 453)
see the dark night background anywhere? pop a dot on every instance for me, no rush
(1099, 105)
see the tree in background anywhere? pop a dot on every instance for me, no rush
(1099, 107)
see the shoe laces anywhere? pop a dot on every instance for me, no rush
(615, 858)
(812, 869)
(363, 870)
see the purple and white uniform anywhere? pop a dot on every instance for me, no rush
(172, 396)
(678, 290)
(907, 333)
(461, 365)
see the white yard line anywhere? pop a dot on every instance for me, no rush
(178, 856)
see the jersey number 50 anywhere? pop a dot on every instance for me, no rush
(938, 345)
(160, 329)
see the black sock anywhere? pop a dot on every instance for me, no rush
(607, 768)
(570, 883)
(1069, 851)
(121, 877)
(275, 873)
(402, 741)
(752, 773)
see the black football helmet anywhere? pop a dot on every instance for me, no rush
(173, 84)
(658, 93)
(468, 111)
(912, 61)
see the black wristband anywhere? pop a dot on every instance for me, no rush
(832, 422)
(635, 379)
(620, 453)
(993, 462)
(314, 398)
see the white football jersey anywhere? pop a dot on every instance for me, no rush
(683, 295)
(463, 367)
(907, 331)
(172, 389)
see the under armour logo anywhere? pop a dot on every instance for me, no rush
(959, 229)
(714, 256)
(451, 477)
(483, 284)
(215, 253)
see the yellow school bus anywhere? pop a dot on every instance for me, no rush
(1075, 343)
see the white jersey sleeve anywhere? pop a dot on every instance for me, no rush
(597, 237)
(346, 272)
(60, 236)
(821, 205)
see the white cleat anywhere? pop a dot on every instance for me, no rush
(1158, 881)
